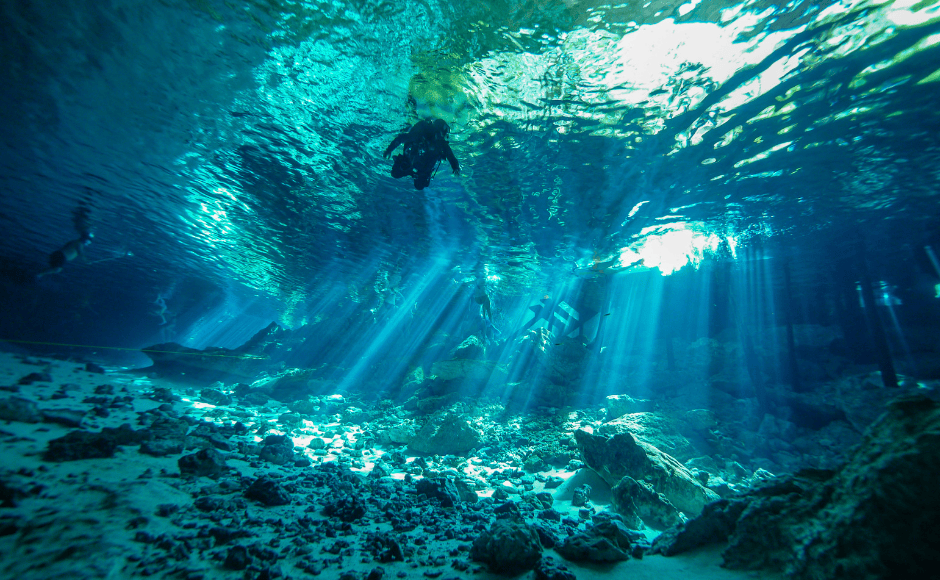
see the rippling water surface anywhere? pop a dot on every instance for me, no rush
(243, 141)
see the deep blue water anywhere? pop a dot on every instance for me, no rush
(230, 160)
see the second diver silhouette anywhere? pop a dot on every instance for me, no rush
(73, 249)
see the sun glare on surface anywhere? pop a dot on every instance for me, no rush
(670, 248)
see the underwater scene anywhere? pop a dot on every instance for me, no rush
(469, 289)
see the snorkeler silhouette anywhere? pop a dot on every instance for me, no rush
(425, 146)
(73, 249)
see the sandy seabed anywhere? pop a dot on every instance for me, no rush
(84, 518)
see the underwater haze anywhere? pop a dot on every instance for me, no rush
(713, 206)
(231, 158)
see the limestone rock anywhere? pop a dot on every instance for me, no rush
(867, 521)
(863, 398)
(620, 405)
(440, 488)
(447, 435)
(700, 420)
(214, 397)
(639, 504)
(508, 547)
(31, 378)
(465, 492)
(212, 363)
(19, 409)
(162, 447)
(268, 492)
(206, 462)
(347, 508)
(879, 509)
(402, 433)
(584, 547)
(652, 428)
(84, 445)
(581, 495)
(548, 569)
(278, 449)
(291, 385)
(66, 417)
(712, 526)
(621, 455)
(471, 348)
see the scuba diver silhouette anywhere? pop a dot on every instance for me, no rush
(425, 146)
(73, 249)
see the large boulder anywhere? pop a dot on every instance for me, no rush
(472, 348)
(268, 491)
(863, 398)
(714, 525)
(624, 455)
(401, 433)
(168, 436)
(76, 445)
(205, 462)
(869, 520)
(585, 547)
(652, 428)
(620, 405)
(508, 547)
(446, 435)
(606, 539)
(19, 409)
(639, 504)
(278, 449)
(440, 488)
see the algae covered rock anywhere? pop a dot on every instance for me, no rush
(206, 462)
(19, 409)
(472, 348)
(623, 455)
(401, 433)
(607, 539)
(278, 449)
(268, 492)
(871, 519)
(446, 435)
(652, 428)
(76, 445)
(584, 547)
(639, 504)
(508, 547)
(620, 405)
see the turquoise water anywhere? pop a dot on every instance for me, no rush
(639, 162)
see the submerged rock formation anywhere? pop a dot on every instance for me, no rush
(508, 547)
(639, 505)
(446, 435)
(652, 428)
(871, 519)
(623, 455)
